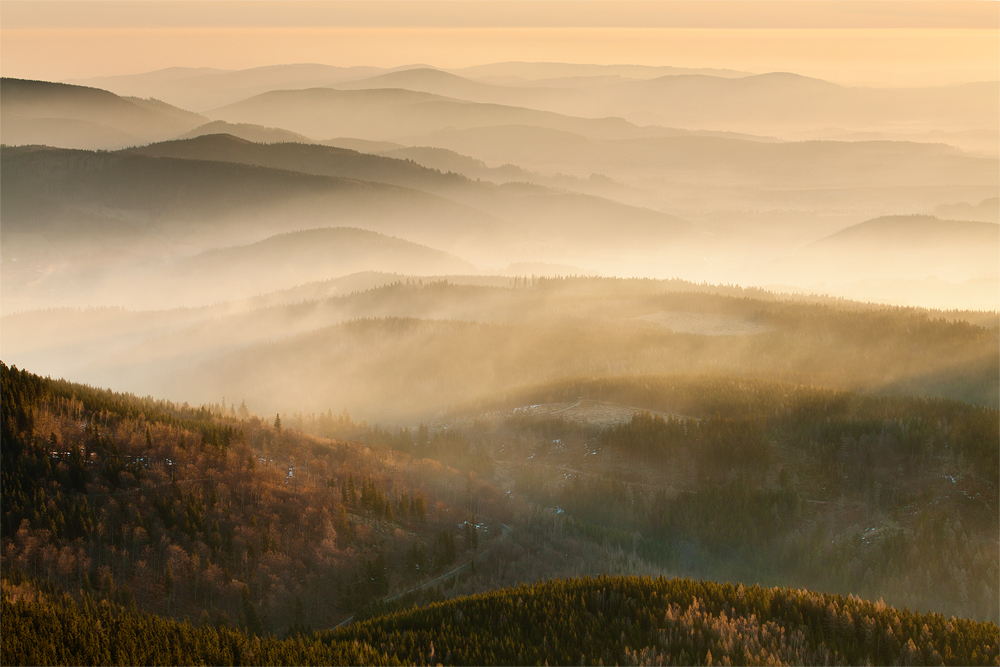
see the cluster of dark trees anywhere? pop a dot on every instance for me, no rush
(373, 501)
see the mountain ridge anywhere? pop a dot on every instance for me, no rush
(42, 112)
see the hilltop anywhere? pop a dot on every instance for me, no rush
(620, 620)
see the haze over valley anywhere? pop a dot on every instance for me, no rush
(553, 335)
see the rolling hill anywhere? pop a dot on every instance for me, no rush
(389, 114)
(295, 258)
(602, 620)
(44, 189)
(221, 486)
(101, 226)
(682, 159)
(256, 133)
(783, 103)
(494, 335)
(57, 114)
(572, 222)
(445, 84)
(306, 158)
(912, 232)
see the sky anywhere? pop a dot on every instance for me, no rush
(860, 42)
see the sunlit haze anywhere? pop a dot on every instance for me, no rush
(447, 316)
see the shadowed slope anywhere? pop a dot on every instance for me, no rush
(57, 114)
(571, 220)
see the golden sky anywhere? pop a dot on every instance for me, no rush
(896, 42)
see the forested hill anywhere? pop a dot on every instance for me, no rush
(639, 620)
(185, 512)
(604, 620)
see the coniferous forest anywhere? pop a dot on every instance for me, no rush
(138, 531)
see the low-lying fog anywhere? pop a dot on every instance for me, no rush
(210, 241)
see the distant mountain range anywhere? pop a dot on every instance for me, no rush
(387, 114)
(602, 193)
(204, 88)
(777, 102)
(773, 103)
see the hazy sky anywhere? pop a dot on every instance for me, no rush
(864, 42)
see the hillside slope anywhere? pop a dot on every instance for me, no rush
(619, 620)
(632, 620)
(913, 232)
(81, 217)
(497, 336)
(390, 113)
(57, 114)
(775, 103)
(564, 220)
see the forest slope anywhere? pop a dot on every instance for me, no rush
(203, 486)
(621, 620)
(631, 620)
(212, 511)
(281, 351)
(508, 338)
